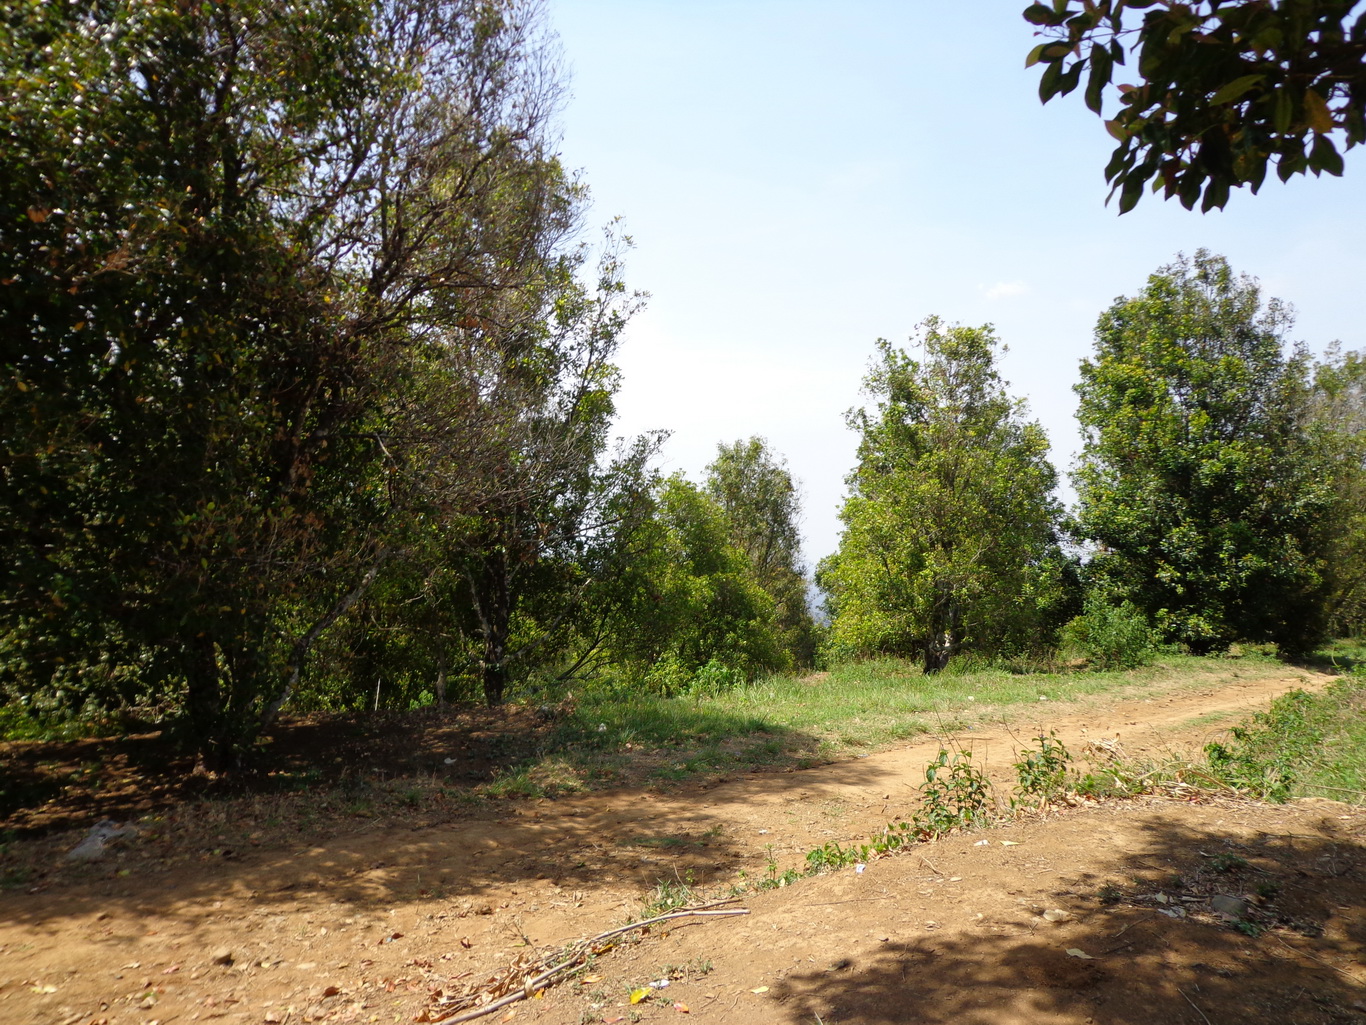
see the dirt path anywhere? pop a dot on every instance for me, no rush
(364, 926)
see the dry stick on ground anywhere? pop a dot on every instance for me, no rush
(1193, 1004)
(576, 954)
(1305, 953)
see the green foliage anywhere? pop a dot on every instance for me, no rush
(1337, 413)
(687, 605)
(295, 322)
(1042, 775)
(1272, 752)
(955, 794)
(669, 895)
(762, 505)
(949, 540)
(1199, 483)
(1111, 636)
(1220, 90)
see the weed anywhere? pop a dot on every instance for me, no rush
(693, 969)
(773, 879)
(1109, 894)
(955, 794)
(1227, 863)
(669, 896)
(1304, 743)
(829, 858)
(1042, 775)
(661, 841)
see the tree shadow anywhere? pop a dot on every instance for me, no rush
(1156, 949)
(48, 786)
(329, 831)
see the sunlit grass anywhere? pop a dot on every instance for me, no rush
(1304, 745)
(618, 736)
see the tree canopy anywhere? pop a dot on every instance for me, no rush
(1201, 481)
(949, 541)
(284, 286)
(1220, 89)
(762, 504)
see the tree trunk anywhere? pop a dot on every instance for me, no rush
(938, 648)
(440, 674)
(495, 618)
(942, 639)
(204, 702)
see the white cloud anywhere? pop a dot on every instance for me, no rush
(1006, 289)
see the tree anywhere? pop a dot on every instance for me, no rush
(514, 531)
(513, 501)
(762, 505)
(949, 541)
(236, 240)
(1199, 481)
(1222, 88)
(688, 600)
(1338, 418)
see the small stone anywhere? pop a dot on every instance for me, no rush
(222, 956)
(1234, 907)
(1057, 915)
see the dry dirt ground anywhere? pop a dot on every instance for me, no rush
(1201, 910)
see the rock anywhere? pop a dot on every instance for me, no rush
(1057, 915)
(1234, 907)
(222, 956)
(101, 834)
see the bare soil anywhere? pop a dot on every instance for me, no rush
(306, 901)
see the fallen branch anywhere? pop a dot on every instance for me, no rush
(1193, 1004)
(568, 959)
(1319, 960)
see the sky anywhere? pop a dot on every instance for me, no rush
(800, 179)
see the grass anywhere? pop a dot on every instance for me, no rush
(618, 737)
(1304, 745)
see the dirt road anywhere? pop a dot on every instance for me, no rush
(366, 925)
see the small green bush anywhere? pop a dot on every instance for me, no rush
(1111, 636)
(715, 678)
(1266, 755)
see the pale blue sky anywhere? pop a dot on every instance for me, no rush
(802, 178)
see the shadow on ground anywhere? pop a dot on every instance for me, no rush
(394, 820)
(1157, 950)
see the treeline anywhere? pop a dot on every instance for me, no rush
(1221, 491)
(308, 379)
(309, 386)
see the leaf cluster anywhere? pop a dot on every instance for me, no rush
(1220, 90)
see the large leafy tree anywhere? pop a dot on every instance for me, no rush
(762, 504)
(549, 504)
(949, 541)
(1338, 417)
(236, 242)
(687, 599)
(1200, 483)
(1221, 89)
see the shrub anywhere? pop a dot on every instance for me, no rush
(1111, 636)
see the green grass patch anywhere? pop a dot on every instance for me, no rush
(1304, 745)
(617, 736)
(1341, 656)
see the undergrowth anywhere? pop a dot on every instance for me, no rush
(1303, 745)
(614, 735)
